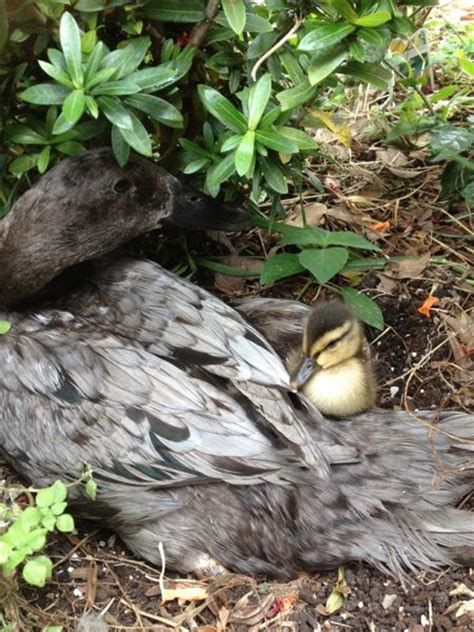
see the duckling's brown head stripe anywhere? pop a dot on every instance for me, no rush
(329, 322)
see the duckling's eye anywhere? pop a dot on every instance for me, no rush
(332, 344)
(122, 185)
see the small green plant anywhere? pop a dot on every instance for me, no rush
(24, 529)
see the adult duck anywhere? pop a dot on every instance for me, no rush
(184, 410)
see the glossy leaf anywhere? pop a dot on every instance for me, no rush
(120, 147)
(56, 57)
(258, 100)
(279, 267)
(134, 54)
(277, 142)
(92, 106)
(234, 11)
(56, 73)
(61, 125)
(65, 523)
(294, 97)
(245, 153)
(37, 571)
(374, 19)
(363, 307)
(324, 64)
(43, 159)
(24, 135)
(351, 240)
(158, 109)
(323, 263)
(94, 61)
(174, 11)
(117, 88)
(45, 94)
(222, 109)
(345, 9)
(115, 112)
(231, 143)
(220, 173)
(100, 77)
(74, 106)
(152, 79)
(70, 39)
(195, 165)
(325, 35)
(137, 137)
(371, 73)
(274, 176)
(303, 141)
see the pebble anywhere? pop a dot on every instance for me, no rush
(393, 391)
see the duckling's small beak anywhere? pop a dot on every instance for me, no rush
(303, 372)
(192, 209)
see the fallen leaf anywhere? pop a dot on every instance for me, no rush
(466, 607)
(314, 214)
(425, 309)
(251, 615)
(405, 174)
(187, 591)
(462, 589)
(407, 268)
(380, 227)
(334, 123)
(386, 284)
(392, 157)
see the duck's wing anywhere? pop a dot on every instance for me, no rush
(114, 383)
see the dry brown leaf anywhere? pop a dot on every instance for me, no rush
(391, 157)
(405, 174)
(228, 284)
(314, 213)
(463, 327)
(466, 607)
(386, 284)
(185, 590)
(408, 268)
(251, 615)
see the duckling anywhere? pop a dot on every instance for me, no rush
(334, 367)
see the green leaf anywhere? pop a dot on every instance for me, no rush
(61, 125)
(325, 63)
(90, 5)
(466, 64)
(37, 571)
(65, 523)
(298, 137)
(88, 42)
(134, 54)
(270, 117)
(91, 489)
(195, 165)
(92, 106)
(280, 266)
(222, 109)
(158, 109)
(94, 61)
(301, 236)
(274, 176)
(234, 11)
(137, 137)
(22, 164)
(56, 493)
(102, 76)
(58, 508)
(5, 327)
(335, 601)
(24, 135)
(220, 173)
(74, 106)
(56, 73)
(37, 540)
(374, 19)
(325, 35)
(120, 147)
(258, 100)
(351, 240)
(45, 94)
(345, 9)
(371, 73)
(115, 112)
(43, 159)
(56, 57)
(468, 194)
(294, 97)
(70, 39)
(277, 142)
(153, 79)
(5, 549)
(70, 148)
(245, 153)
(231, 143)
(174, 11)
(363, 307)
(118, 88)
(324, 263)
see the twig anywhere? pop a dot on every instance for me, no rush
(274, 48)
(199, 32)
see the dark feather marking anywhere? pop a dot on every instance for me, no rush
(189, 356)
(171, 433)
(236, 467)
(167, 457)
(67, 392)
(249, 334)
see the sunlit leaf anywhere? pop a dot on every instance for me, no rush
(325, 35)
(70, 39)
(258, 100)
(323, 263)
(279, 267)
(222, 109)
(234, 11)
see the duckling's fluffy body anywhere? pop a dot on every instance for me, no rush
(333, 367)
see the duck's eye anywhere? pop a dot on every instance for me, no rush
(122, 185)
(194, 198)
(332, 344)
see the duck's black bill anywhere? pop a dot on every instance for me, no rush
(303, 372)
(196, 210)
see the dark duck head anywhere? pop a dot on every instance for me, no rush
(184, 410)
(87, 206)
